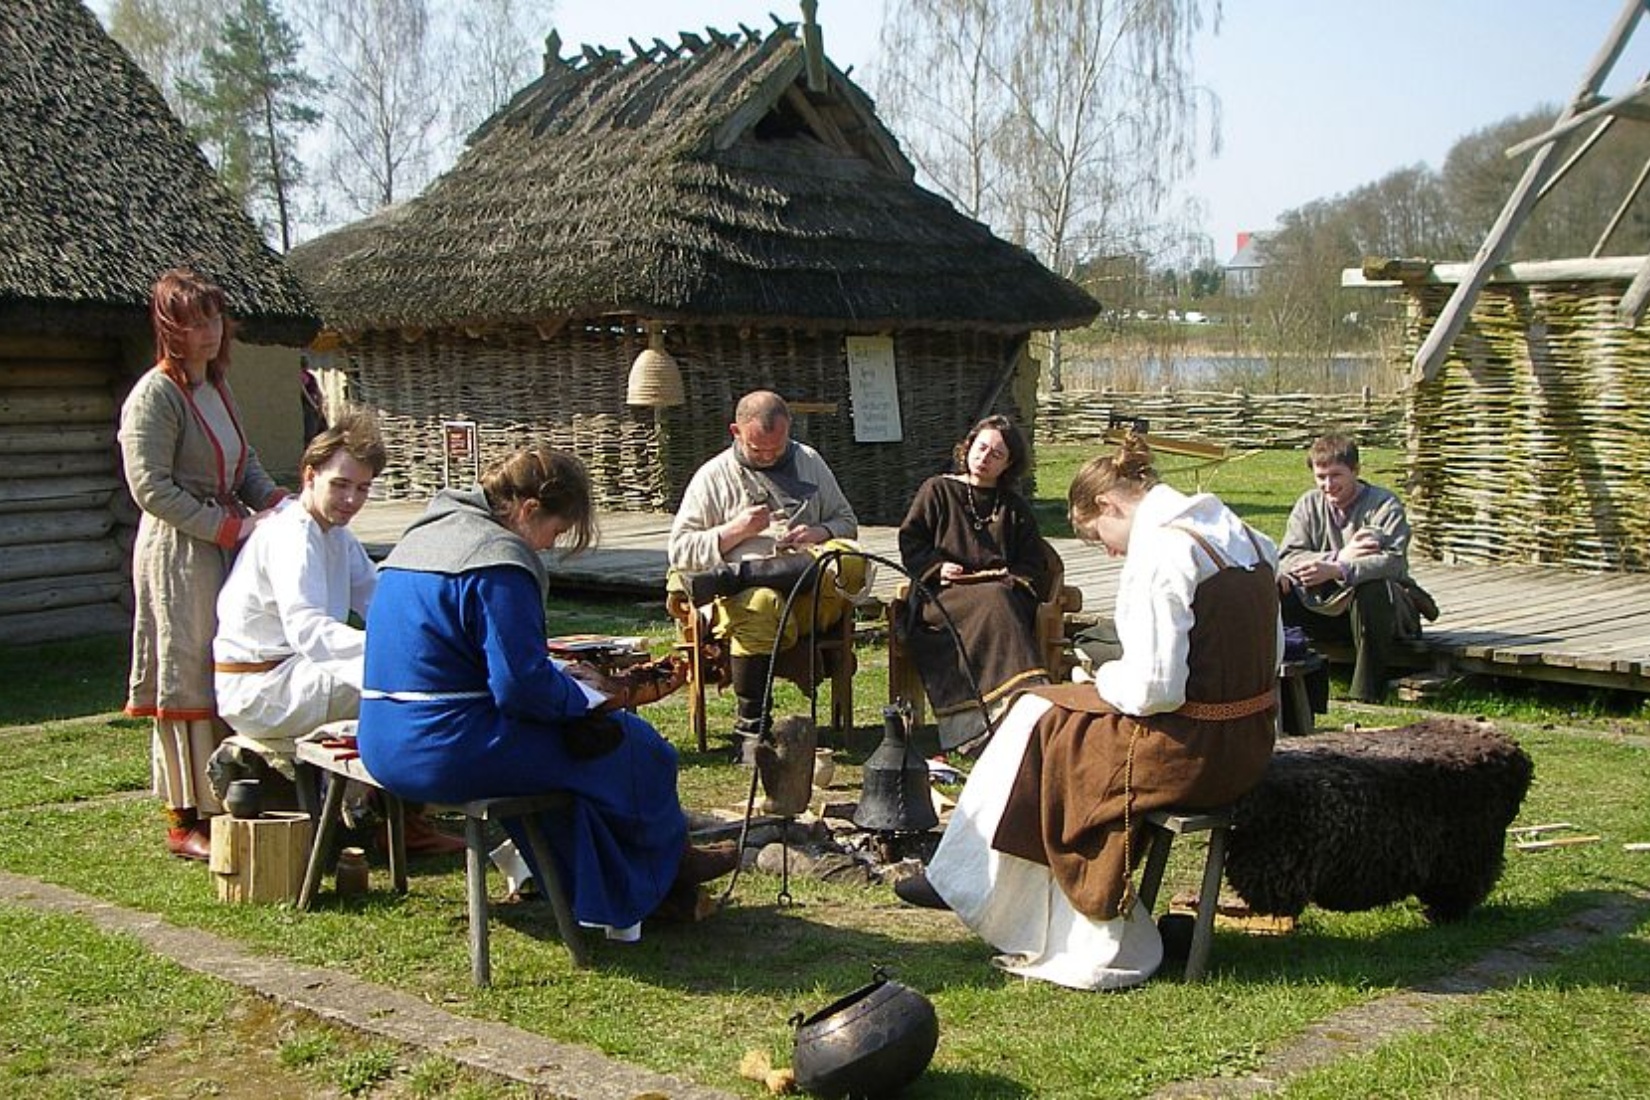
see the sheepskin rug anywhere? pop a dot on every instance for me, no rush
(1355, 820)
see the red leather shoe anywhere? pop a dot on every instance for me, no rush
(424, 839)
(192, 842)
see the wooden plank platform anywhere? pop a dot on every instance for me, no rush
(1525, 621)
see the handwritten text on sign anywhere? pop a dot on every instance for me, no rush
(874, 389)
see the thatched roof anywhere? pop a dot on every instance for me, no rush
(101, 189)
(690, 182)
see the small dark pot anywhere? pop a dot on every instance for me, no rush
(871, 1043)
(244, 799)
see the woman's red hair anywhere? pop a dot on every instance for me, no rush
(184, 298)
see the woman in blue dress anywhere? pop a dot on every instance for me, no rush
(462, 701)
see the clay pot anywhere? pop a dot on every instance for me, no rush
(244, 799)
(824, 767)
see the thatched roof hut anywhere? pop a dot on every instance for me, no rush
(712, 195)
(101, 189)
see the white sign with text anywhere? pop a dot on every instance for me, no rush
(874, 389)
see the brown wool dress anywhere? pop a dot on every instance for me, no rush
(1037, 855)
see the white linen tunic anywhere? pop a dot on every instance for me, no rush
(288, 599)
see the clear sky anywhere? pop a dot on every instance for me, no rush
(1317, 96)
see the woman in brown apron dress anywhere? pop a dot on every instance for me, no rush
(1038, 854)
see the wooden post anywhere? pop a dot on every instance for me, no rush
(1453, 317)
(262, 859)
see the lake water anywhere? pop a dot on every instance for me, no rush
(1338, 374)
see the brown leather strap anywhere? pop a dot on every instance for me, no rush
(247, 666)
(1226, 712)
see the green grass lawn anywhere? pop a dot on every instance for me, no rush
(694, 999)
(1260, 486)
(85, 1013)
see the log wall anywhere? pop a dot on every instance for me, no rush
(66, 521)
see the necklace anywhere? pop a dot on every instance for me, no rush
(974, 518)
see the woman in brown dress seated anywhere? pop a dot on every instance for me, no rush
(1038, 854)
(971, 541)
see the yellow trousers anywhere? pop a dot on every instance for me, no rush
(749, 620)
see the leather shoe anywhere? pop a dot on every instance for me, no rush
(703, 862)
(917, 890)
(424, 839)
(192, 842)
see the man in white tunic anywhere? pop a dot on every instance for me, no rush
(285, 658)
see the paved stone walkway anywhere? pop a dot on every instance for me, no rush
(494, 1048)
(1361, 1028)
(580, 1074)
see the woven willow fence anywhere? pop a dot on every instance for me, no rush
(568, 390)
(519, 389)
(1239, 420)
(1533, 440)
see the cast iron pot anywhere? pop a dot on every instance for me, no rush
(873, 1042)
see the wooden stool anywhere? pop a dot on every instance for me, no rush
(341, 762)
(1165, 826)
(1295, 703)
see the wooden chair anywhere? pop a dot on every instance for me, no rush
(707, 663)
(904, 683)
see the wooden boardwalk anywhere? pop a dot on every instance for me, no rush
(1524, 621)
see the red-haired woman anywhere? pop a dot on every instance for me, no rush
(201, 488)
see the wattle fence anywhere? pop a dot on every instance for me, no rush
(1242, 420)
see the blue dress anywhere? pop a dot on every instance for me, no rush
(462, 702)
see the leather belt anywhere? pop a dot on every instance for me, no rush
(248, 666)
(1225, 712)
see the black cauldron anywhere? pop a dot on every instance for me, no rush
(873, 1042)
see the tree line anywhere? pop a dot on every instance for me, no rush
(1289, 334)
(1062, 124)
(316, 112)
(1442, 215)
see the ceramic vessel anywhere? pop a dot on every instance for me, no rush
(824, 767)
(244, 799)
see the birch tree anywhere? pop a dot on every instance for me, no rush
(166, 39)
(1064, 124)
(493, 59)
(385, 97)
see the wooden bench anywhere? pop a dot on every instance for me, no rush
(340, 761)
(1165, 825)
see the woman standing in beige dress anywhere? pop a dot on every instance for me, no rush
(202, 490)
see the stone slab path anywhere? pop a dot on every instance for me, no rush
(580, 1074)
(559, 1069)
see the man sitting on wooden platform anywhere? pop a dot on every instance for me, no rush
(1344, 566)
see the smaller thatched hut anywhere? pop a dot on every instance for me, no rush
(101, 189)
(732, 197)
